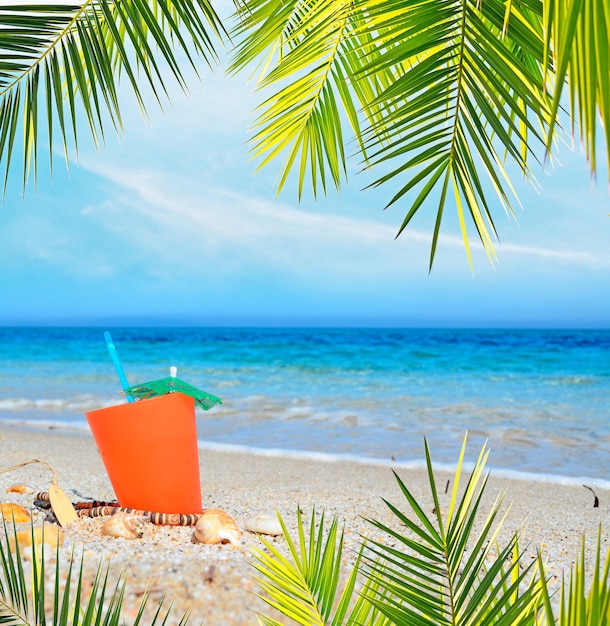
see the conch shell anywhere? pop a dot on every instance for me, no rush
(125, 525)
(216, 526)
(14, 512)
(53, 536)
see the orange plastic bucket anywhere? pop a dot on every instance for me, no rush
(149, 449)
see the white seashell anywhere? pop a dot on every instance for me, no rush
(216, 526)
(264, 525)
(125, 525)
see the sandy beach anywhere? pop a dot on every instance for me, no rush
(215, 582)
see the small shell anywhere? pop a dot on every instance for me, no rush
(20, 489)
(14, 513)
(125, 525)
(53, 536)
(216, 526)
(264, 525)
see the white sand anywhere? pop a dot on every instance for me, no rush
(215, 582)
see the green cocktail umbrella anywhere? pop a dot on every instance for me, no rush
(171, 384)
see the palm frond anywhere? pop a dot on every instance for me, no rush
(364, 611)
(307, 50)
(438, 93)
(444, 571)
(578, 36)
(23, 595)
(471, 98)
(304, 586)
(57, 58)
(577, 606)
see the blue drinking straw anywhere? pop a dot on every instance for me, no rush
(117, 364)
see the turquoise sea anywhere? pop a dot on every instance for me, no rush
(540, 397)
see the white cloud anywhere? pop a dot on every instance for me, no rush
(188, 225)
(211, 221)
(573, 257)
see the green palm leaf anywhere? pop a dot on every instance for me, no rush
(444, 569)
(308, 50)
(578, 35)
(57, 58)
(443, 96)
(304, 586)
(444, 572)
(23, 597)
(577, 606)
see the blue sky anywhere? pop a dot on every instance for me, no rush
(169, 224)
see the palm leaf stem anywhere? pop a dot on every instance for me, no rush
(53, 43)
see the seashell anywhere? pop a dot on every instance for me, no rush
(264, 525)
(216, 526)
(125, 525)
(14, 513)
(53, 536)
(20, 489)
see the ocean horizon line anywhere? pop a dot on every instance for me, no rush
(92, 325)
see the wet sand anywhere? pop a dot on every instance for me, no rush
(215, 583)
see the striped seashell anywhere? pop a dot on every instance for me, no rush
(125, 525)
(14, 512)
(216, 526)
